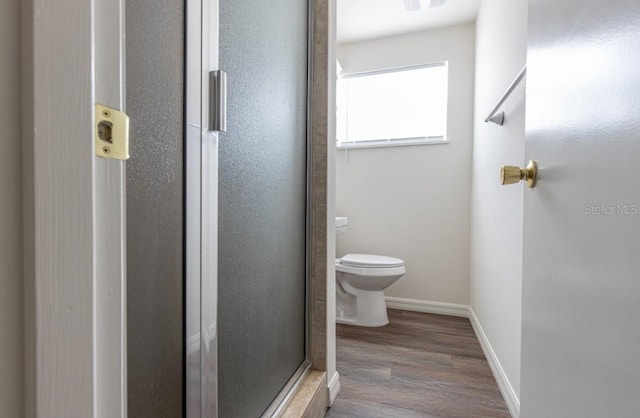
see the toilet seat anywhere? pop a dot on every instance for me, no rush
(370, 261)
(369, 265)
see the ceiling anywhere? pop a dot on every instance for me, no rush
(359, 20)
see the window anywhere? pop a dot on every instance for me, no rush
(393, 107)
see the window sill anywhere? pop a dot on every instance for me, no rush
(394, 143)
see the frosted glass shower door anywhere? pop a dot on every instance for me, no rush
(262, 241)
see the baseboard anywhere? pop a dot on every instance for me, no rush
(510, 397)
(333, 388)
(427, 306)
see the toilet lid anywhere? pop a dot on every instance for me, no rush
(369, 260)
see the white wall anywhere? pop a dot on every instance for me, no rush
(11, 323)
(497, 217)
(413, 202)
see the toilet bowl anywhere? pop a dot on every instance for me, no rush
(360, 283)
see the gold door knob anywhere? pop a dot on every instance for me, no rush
(510, 174)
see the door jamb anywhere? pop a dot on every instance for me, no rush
(110, 332)
(74, 262)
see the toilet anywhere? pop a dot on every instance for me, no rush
(360, 283)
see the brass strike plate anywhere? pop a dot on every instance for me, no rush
(111, 133)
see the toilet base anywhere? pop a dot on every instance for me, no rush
(370, 308)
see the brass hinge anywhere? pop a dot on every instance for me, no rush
(111, 133)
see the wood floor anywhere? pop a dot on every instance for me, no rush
(420, 365)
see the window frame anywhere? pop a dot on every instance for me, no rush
(397, 142)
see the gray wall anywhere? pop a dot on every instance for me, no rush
(11, 336)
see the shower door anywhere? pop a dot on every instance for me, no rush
(262, 218)
(246, 206)
(217, 221)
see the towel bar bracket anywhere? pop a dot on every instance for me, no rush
(498, 118)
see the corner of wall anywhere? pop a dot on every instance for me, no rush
(331, 198)
(497, 211)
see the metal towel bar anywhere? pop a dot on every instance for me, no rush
(498, 118)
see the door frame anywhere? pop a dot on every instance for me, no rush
(74, 211)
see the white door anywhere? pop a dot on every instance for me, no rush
(581, 289)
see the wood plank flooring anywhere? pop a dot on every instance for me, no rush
(420, 365)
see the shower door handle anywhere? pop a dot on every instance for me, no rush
(218, 101)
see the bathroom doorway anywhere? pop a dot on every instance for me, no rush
(404, 141)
